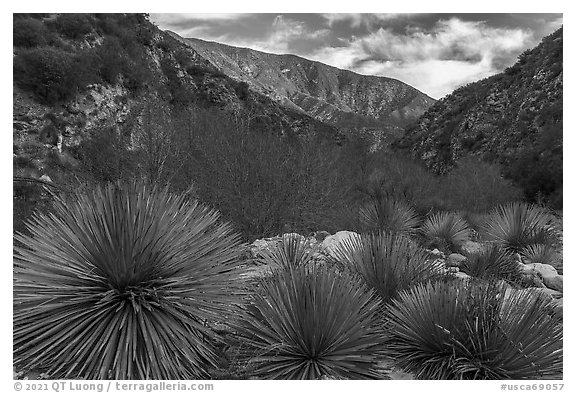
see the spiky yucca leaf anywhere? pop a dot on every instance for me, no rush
(291, 251)
(309, 321)
(492, 262)
(466, 330)
(445, 230)
(390, 215)
(518, 225)
(118, 283)
(386, 262)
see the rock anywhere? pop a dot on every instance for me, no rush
(437, 253)
(471, 247)
(258, 246)
(330, 243)
(455, 260)
(541, 269)
(267, 244)
(462, 275)
(46, 178)
(554, 282)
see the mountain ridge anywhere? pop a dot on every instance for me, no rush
(342, 98)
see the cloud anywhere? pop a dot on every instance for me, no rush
(283, 36)
(434, 77)
(186, 19)
(359, 20)
(452, 39)
(454, 52)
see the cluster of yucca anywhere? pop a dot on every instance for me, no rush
(125, 281)
(518, 225)
(474, 330)
(449, 329)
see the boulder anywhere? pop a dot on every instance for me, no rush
(330, 243)
(455, 260)
(542, 269)
(547, 274)
(267, 244)
(462, 275)
(437, 253)
(46, 178)
(471, 247)
(260, 245)
(554, 282)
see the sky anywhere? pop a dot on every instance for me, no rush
(436, 53)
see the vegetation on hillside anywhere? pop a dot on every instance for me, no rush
(514, 118)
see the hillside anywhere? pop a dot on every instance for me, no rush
(513, 118)
(338, 97)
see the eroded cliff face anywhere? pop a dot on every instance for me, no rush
(338, 97)
(513, 118)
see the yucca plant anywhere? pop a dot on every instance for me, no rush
(291, 251)
(492, 262)
(445, 230)
(543, 253)
(387, 214)
(465, 330)
(312, 322)
(386, 262)
(119, 282)
(517, 225)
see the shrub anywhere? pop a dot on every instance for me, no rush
(258, 179)
(119, 282)
(386, 262)
(105, 156)
(462, 330)
(309, 322)
(517, 225)
(48, 73)
(386, 214)
(73, 26)
(476, 186)
(398, 177)
(29, 33)
(493, 262)
(445, 230)
(242, 90)
(111, 60)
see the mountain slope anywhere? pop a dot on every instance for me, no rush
(338, 97)
(513, 118)
(107, 97)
